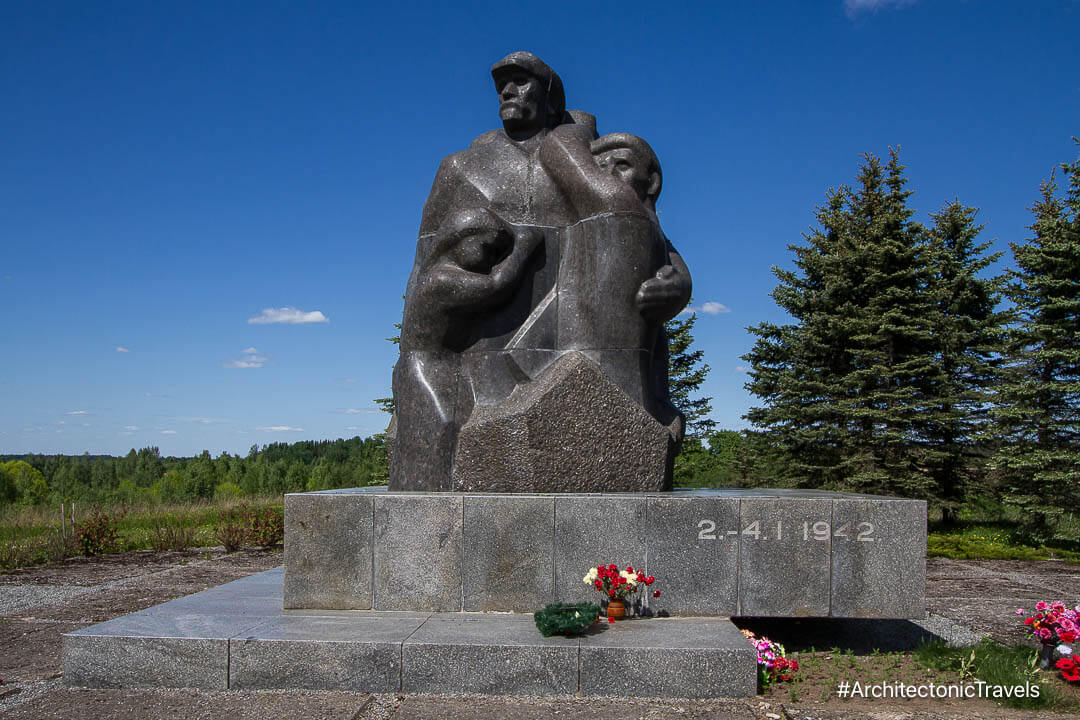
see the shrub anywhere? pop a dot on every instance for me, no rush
(168, 533)
(267, 526)
(262, 526)
(98, 535)
(231, 528)
(228, 491)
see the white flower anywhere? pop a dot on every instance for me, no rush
(1064, 649)
(590, 577)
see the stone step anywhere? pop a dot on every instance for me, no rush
(237, 636)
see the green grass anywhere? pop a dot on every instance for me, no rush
(998, 664)
(991, 543)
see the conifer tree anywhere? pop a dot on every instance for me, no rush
(687, 371)
(844, 385)
(1039, 407)
(968, 333)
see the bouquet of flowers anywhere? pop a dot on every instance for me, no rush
(619, 584)
(773, 664)
(1053, 623)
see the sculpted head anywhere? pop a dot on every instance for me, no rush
(630, 159)
(530, 93)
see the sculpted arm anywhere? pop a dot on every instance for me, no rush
(455, 287)
(565, 154)
(667, 292)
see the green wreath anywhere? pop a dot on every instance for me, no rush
(566, 618)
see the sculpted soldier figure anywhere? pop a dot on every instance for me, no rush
(540, 266)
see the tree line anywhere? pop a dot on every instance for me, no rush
(146, 476)
(906, 370)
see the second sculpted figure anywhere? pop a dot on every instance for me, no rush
(533, 357)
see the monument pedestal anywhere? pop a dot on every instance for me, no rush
(728, 552)
(393, 591)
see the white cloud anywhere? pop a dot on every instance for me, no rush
(288, 316)
(710, 307)
(280, 428)
(360, 411)
(353, 427)
(78, 412)
(348, 380)
(131, 427)
(741, 369)
(126, 432)
(253, 359)
(854, 7)
(168, 432)
(121, 348)
(243, 363)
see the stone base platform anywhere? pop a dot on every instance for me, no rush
(723, 553)
(237, 636)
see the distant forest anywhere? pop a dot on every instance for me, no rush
(146, 476)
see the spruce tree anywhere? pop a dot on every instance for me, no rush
(687, 371)
(968, 332)
(843, 386)
(1038, 411)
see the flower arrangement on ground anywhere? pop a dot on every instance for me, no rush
(773, 663)
(619, 585)
(1053, 623)
(1057, 627)
(566, 618)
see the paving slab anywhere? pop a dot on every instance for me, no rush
(359, 653)
(488, 654)
(669, 657)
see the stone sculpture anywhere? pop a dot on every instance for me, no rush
(533, 357)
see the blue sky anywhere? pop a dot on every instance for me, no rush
(177, 176)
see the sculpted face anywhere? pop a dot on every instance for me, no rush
(624, 164)
(522, 100)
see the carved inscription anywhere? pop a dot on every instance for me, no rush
(819, 531)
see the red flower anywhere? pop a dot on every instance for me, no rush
(611, 620)
(629, 569)
(611, 592)
(1067, 636)
(1065, 664)
(1029, 620)
(656, 593)
(641, 577)
(598, 585)
(613, 567)
(650, 580)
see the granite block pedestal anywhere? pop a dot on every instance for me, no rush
(730, 552)
(237, 636)
(430, 593)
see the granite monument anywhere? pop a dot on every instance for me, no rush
(533, 357)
